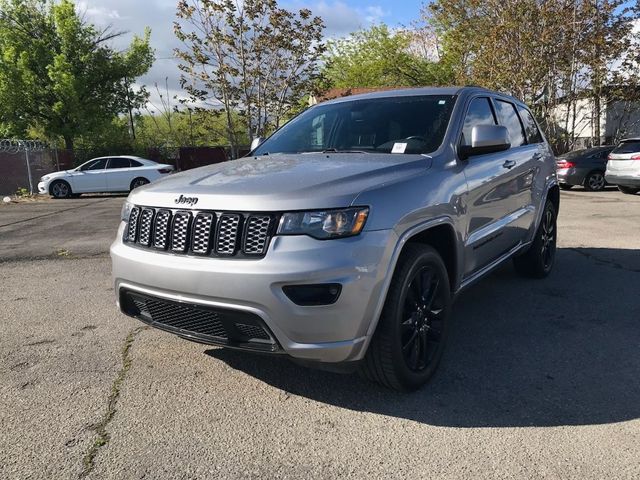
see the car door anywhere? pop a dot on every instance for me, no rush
(91, 177)
(492, 185)
(118, 174)
(525, 157)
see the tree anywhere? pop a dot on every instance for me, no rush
(379, 57)
(551, 54)
(59, 74)
(249, 60)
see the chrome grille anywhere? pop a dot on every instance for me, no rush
(227, 234)
(180, 231)
(200, 232)
(161, 229)
(144, 232)
(132, 227)
(255, 239)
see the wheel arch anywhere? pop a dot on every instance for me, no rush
(438, 230)
(443, 239)
(553, 195)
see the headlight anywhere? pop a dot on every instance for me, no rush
(126, 210)
(324, 224)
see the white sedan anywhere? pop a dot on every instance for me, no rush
(105, 174)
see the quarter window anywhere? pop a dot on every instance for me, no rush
(135, 163)
(530, 127)
(479, 113)
(508, 117)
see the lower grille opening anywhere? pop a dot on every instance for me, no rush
(204, 324)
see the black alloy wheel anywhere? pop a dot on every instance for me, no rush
(538, 260)
(421, 331)
(410, 337)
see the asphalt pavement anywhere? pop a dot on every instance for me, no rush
(541, 379)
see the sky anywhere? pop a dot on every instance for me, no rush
(340, 17)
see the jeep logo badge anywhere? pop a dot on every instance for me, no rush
(191, 201)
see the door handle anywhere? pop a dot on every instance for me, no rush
(509, 164)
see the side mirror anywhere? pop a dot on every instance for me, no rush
(255, 143)
(486, 139)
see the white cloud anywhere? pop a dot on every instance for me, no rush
(132, 16)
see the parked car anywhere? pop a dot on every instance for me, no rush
(583, 167)
(343, 239)
(105, 174)
(623, 168)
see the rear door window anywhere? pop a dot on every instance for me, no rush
(530, 127)
(632, 146)
(479, 113)
(119, 163)
(508, 117)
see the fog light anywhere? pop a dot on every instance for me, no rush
(313, 295)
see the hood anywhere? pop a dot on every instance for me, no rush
(61, 173)
(281, 182)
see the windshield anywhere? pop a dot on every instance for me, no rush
(413, 124)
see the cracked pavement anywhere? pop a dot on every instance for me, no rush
(541, 379)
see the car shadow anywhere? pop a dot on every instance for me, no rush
(104, 195)
(559, 351)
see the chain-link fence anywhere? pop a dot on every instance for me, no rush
(23, 162)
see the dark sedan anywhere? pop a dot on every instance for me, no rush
(583, 167)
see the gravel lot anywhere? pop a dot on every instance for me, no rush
(540, 379)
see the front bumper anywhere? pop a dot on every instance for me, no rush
(43, 188)
(624, 180)
(327, 333)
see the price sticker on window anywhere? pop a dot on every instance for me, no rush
(399, 148)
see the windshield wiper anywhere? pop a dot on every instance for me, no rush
(335, 150)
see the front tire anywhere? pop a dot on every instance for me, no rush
(60, 189)
(538, 261)
(410, 337)
(594, 181)
(628, 190)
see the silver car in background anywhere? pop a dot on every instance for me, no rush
(623, 167)
(342, 240)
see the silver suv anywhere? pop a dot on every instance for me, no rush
(342, 240)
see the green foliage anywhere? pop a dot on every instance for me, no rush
(58, 74)
(23, 192)
(185, 128)
(379, 57)
(549, 53)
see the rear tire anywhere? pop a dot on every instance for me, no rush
(411, 334)
(594, 181)
(138, 182)
(538, 261)
(628, 190)
(566, 186)
(60, 189)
